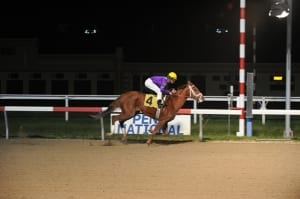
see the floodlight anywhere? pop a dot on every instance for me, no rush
(279, 9)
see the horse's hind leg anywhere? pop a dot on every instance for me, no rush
(122, 118)
(124, 133)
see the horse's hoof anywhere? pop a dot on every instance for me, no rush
(109, 134)
(124, 140)
(108, 143)
(148, 142)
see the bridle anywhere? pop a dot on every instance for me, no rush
(193, 94)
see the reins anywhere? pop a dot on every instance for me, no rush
(192, 92)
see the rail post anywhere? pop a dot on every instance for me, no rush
(249, 115)
(66, 105)
(263, 107)
(200, 128)
(6, 125)
(195, 115)
(102, 128)
(230, 105)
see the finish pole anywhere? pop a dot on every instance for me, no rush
(241, 104)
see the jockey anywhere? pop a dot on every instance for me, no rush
(159, 85)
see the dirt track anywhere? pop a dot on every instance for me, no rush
(71, 169)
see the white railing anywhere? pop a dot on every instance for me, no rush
(263, 111)
(5, 109)
(199, 112)
(67, 98)
(263, 101)
(111, 97)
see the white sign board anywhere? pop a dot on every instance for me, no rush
(142, 124)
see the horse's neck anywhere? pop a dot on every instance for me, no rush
(183, 92)
(182, 95)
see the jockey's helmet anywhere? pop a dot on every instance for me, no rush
(172, 75)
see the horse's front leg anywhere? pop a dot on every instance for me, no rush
(154, 131)
(165, 129)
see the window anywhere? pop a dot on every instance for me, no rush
(59, 87)
(36, 76)
(7, 51)
(14, 86)
(37, 86)
(82, 76)
(227, 78)
(104, 76)
(13, 76)
(105, 87)
(59, 76)
(216, 78)
(82, 87)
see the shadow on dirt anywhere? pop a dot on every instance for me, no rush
(110, 142)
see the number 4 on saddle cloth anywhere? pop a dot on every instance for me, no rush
(151, 101)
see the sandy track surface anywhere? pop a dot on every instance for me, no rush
(71, 169)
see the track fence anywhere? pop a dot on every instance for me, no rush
(199, 112)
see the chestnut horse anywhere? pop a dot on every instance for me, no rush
(133, 102)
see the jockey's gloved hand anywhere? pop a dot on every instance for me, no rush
(173, 91)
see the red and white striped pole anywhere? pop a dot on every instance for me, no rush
(241, 103)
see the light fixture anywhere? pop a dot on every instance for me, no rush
(277, 78)
(279, 9)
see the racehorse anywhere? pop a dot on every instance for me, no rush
(134, 102)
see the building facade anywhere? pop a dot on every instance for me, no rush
(25, 71)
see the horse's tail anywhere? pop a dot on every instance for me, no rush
(110, 109)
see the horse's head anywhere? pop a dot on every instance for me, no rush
(194, 92)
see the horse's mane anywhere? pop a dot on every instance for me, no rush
(183, 85)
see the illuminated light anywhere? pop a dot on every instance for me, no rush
(277, 77)
(221, 30)
(90, 31)
(283, 14)
(279, 9)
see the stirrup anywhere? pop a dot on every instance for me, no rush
(159, 103)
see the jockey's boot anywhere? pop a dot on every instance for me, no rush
(159, 104)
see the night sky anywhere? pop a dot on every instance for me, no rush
(154, 32)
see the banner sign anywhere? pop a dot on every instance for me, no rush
(142, 124)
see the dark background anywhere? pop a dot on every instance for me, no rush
(177, 31)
